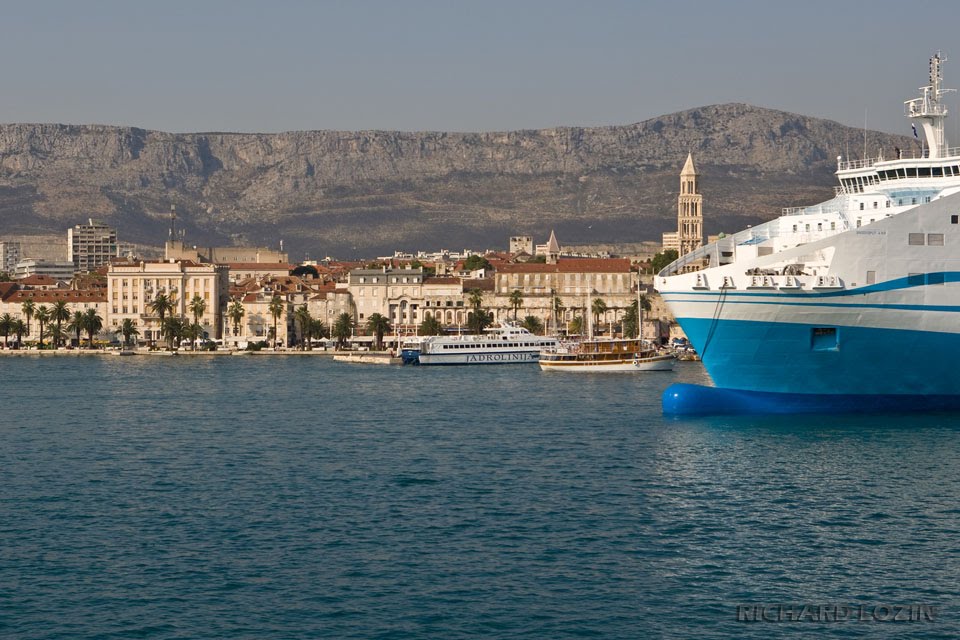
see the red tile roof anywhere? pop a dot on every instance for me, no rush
(52, 295)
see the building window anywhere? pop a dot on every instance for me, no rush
(935, 239)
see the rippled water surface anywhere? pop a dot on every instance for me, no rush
(272, 497)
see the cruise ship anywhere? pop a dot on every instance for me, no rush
(852, 304)
(507, 344)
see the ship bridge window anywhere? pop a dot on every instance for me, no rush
(911, 172)
(937, 172)
(923, 172)
(824, 339)
(955, 170)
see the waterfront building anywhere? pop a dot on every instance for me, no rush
(91, 245)
(443, 299)
(396, 294)
(132, 287)
(13, 295)
(521, 244)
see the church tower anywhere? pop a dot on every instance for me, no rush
(689, 210)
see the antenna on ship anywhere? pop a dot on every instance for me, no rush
(929, 110)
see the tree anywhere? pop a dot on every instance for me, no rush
(430, 327)
(661, 260)
(28, 309)
(162, 305)
(173, 330)
(18, 329)
(197, 307)
(318, 328)
(59, 313)
(6, 326)
(343, 329)
(516, 301)
(474, 262)
(92, 323)
(631, 320)
(576, 326)
(598, 307)
(192, 331)
(378, 325)
(476, 298)
(305, 270)
(42, 314)
(276, 308)
(127, 329)
(303, 318)
(56, 335)
(5, 276)
(479, 320)
(77, 325)
(236, 312)
(533, 324)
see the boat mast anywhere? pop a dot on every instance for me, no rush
(929, 111)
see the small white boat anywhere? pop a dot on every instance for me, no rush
(595, 356)
(507, 344)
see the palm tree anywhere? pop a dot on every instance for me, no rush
(172, 330)
(76, 325)
(318, 328)
(305, 320)
(343, 329)
(236, 311)
(476, 299)
(533, 324)
(479, 320)
(430, 327)
(56, 335)
(59, 314)
(28, 309)
(631, 321)
(598, 308)
(516, 301)
(197, 306)
(162, 305)
(42, 314)
(378, 325)
(18, 329)
(6, 326)
(92, 323)
(276, 308)
(576, 326)
(127, 329)
(192, 331)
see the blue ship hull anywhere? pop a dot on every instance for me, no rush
(693, 399)
(769, 367)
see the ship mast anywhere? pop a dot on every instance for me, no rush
(929, 111)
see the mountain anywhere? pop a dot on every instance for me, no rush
(366, 192)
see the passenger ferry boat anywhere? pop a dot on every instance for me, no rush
(508, 344)
(595, 356)
(852, 304)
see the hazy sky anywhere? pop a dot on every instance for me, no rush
(467, 66)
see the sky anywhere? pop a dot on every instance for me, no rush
(485, 65)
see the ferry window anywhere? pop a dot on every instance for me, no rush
(871, 277)
(954, 219)
(861, 206)
(858, 222)
(901, 173)
(913, 201)
(923, 172)
(819, 226)
(956, 170)
(806, 227)
(900, 202)
(795, 227)
(937, 172)
(915, 279)
(888, 204)
(927, 199)
(911, 172)
(876, 205)
(935, 239)
(833, 226)
(824, 339)
(916, 239)
(935, 278)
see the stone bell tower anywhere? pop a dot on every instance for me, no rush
(689, 209)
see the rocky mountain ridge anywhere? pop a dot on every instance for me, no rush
(367, 192)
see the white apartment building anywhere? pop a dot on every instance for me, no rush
(91, 245)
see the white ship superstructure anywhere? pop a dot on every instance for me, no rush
(851, 299)
(508, 344)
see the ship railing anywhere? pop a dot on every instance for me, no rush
(905, 154)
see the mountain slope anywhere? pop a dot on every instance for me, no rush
(361, 193)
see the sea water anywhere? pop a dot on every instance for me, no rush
(296, 497)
